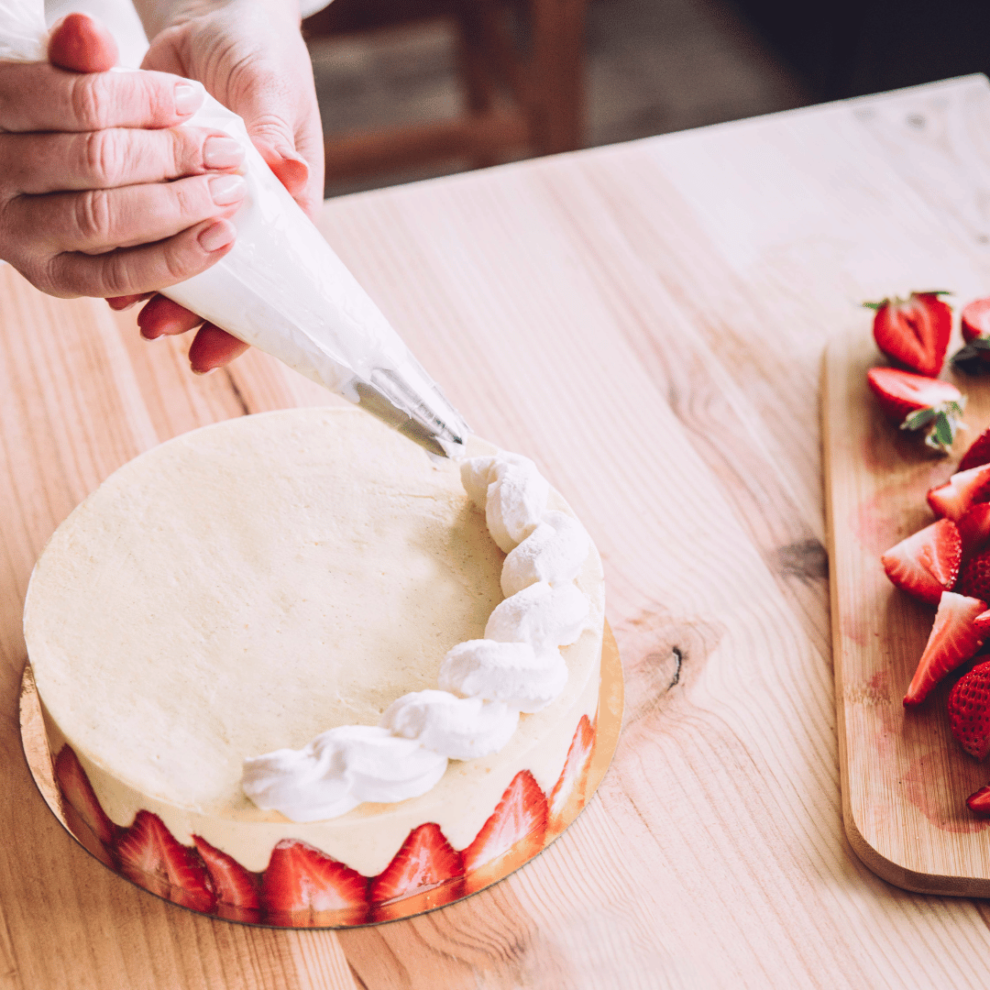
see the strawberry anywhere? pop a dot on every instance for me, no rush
(236, 889)
(969, 711)
(568, 794)
(152, 857)
(974, 528)
(980, 801)
(425, 873)
(82, 811)
(303, 887)
(975, 356)
(919, 403)
(974, 578)
(977, 453)
(961, 492)
(953, 639)
(514, 833)
(914, 331)
(926, 563)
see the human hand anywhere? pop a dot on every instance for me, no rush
(102, 193)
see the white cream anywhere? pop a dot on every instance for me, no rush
(485, 683)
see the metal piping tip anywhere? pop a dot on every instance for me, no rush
(427, 419)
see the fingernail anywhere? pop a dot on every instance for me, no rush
(227, 189)
(188, 98)
(222, 152)
(217, 235)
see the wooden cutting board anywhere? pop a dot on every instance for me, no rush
(904, 778)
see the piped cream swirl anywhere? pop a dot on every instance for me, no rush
(484, 684)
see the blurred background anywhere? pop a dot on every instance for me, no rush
(416, 88)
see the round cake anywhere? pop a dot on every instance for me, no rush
(246, 607)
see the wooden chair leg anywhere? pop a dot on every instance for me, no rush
(557, 74)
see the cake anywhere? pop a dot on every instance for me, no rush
(296, 590)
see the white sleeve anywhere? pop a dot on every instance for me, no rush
(310, 7)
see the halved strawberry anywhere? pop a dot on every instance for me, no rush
(919, 403)
(153, 858)
(81, 809)
(980, 801)
(961, 492)
(975, 356)
(977, 453)
(954, 638)
(568, 795)
(514, 833)
(303, 887)
(914, 331)
(425, 873)
(974, 528)
(927, 562)
(969, 711)
(974, 578)
(236, 889)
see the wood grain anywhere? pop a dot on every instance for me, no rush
(647, 321)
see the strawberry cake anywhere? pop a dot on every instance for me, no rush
(295, 671)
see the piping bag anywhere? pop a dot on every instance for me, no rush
(282, 288)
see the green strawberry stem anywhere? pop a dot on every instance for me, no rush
(940, 424)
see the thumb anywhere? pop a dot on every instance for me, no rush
(288, 165)
(82, 44)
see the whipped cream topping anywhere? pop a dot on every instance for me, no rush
(484, 683)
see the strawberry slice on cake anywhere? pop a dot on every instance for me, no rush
(568, 795)
(82, 811)
(926, 563)
(514, 833)
(237, 889)
(303, 887)
(153, 858)
(954, 638)
(425, 873)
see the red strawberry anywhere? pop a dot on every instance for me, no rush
(969, 711)
(975, 320)
(926, 563)
(974, 528)
(974, 578)
(982, 624)
(962, 491)
(919, 403)
(980, 801)
(914, 331)
(303, 887)
(425, 873)
(568, 795)
(977, 453)
(953, 639)
(151, 856)
(81, 809)
(514, 833)
(236, 888)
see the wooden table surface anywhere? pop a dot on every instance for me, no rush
(648, 322)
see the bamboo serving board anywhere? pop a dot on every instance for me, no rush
(904, 778)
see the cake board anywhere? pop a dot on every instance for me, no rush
(606, 736)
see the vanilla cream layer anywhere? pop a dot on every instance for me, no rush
(247, 586)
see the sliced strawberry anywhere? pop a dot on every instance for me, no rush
(977, 453)
(568, 795)
(969, 711)
(926, 563)
(975, 320)
(954, 638)
(974, 578)
(303, 887)
(914, 331)
(918, 403)
(514, 833)
(152, 857)
(81, 809)
(974, 529)
(425, 873)
(980, 801)
(982, 624)
(236, 889)
(962, 491)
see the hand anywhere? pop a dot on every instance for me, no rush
(102, 193)
(250, 55)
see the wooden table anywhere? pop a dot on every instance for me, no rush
(648, 322)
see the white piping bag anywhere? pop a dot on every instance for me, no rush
(282, 288)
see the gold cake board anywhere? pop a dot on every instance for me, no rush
(609, 722)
